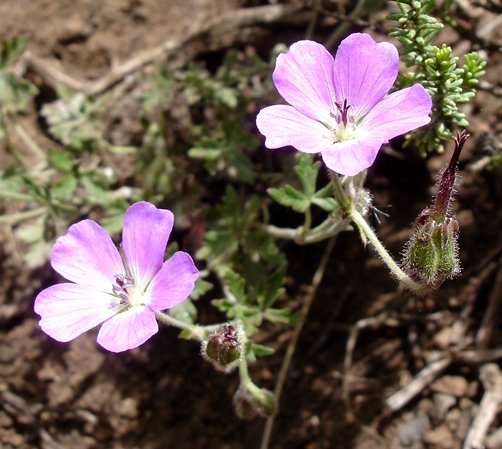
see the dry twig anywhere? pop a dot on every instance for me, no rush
(491, 376)
(288, 357)
(491, 317)
(222, 31)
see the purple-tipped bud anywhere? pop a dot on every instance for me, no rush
(249, 404)
(223, 348)
(431, 254)
(447, 182)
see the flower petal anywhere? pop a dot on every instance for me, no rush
(364, 71)
(68, 310)
(144, 239)
(398, 113)
(352, 156)
(304, 78)
(87, 255)
(174, 282)
(284, 125)
(128, 330)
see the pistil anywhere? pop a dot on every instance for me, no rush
(343, 109)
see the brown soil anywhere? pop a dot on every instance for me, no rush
(77, 396)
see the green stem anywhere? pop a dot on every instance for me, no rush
(339, 193)
(327, 229)
(198, 332)
(308, 221)
(29, 142)
(20, 216)
(368, 232)
(15, 195)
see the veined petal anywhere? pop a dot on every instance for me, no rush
(128, 330)
(68, 310)
(351, 156)
(399, 113)
(144, 239)
(87, 255)
(364, 71)
(304, 78)
(174, 282)
(284, 125)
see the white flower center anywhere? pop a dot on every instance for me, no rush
(344, 132)
(127, 293)
(342, 125)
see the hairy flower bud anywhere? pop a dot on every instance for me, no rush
(251, 403)
(431, 254)
(223, 348)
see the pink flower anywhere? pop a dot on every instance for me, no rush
(122, 293)
(338, 106)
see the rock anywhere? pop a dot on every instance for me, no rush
(494, 441)
(410, 432)
(443, 338)
(74, 29)
(453, 385)
(442, 403)
(440, 438)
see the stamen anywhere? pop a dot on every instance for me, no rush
(119, 288)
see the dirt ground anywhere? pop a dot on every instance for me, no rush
(77, 396)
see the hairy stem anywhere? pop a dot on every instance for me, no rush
(370, 235)
(197, 332)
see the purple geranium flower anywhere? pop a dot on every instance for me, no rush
(122, 293)
(338, 106)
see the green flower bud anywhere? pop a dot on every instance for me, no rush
(249, 403)
(431, 255)
(223, 348)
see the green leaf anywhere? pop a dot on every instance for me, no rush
(307, 171)
(11, 50)
(60, 160)
(201, 288)
(15, 93)
(258, 350)
(290, 197)
(185, 311)
(327, 204)
(113, 223)
(236, 285)
(208, 154)
(278, 315)
(65, 187)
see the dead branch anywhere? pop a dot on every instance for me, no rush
(222, 31)
(426, 376)
(422, 380)
(491, 376)
(491, 317)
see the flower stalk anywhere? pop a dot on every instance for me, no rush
(194, 331)
(394, 268)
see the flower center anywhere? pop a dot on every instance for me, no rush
(126, 291)
(344, 127)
